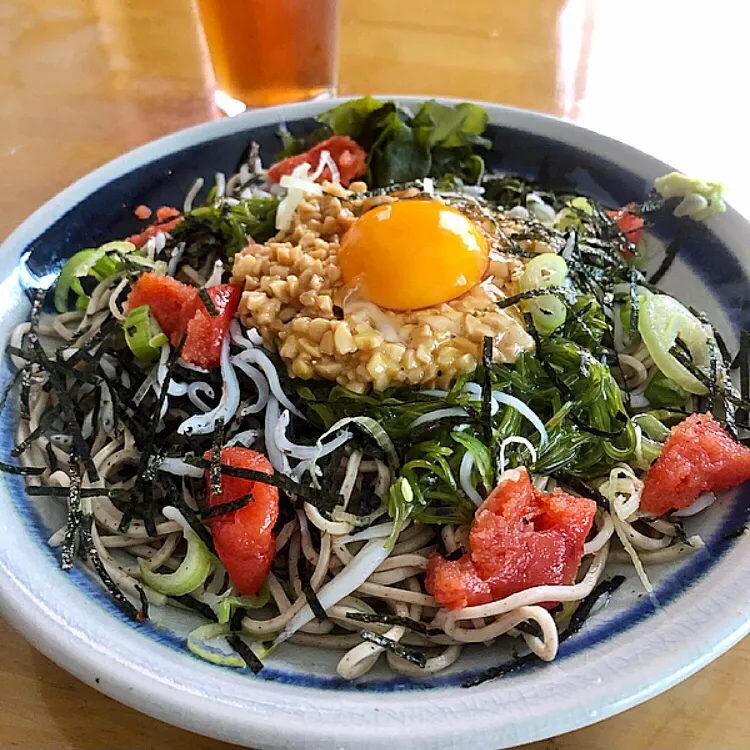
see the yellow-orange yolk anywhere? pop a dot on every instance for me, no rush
(412, 254)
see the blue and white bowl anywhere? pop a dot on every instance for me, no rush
(635, 648)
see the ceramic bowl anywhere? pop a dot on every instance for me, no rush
(633, 649)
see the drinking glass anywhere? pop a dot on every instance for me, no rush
(266, 52)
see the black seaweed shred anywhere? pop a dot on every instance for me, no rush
(143, 611)
(457, 554)
(309, 591)
(275, 480)
(49, 491)
(200, 607)
(208, 302)
(107, 331)
(68, 409)
(413, 655)
(744, 365)
(25, 471)
(735, 533)
(54, 464)
(388, 619)
(487, 403)
(225, 508)
(75, 514)
(671, 253)
(583, 488)
(174, 497)
(635, 300)
(235, 621)
(145, 477)
(246, 653)
(89, 550)
(215, 469)
(46, 420)
(604, 588)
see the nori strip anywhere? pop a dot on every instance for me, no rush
(635, 300)
(457, 554)
(583, 488)
(308, 591)
(735, 533)
(87, 544)
(671, 253)
(195, 604)
(75, 513)
(235, 622)
(247, 654)
(224, 508)
(108, 330)
(413, 655)
(487, 404)
(215, 468)
(275, 480)
(387, 619)
(143, 478)
(576, 622)
(25, 471)
(68, 410)
(143, 611)
(603, 588)
(744, 365)
(54, 464)
(208, 302)
(49, 491)
(174, 496)
(47, 418)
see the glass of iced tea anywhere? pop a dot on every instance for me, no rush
(267, 52)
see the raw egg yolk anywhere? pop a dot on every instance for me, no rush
(412, 254)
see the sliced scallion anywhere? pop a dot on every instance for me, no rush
(143, 335)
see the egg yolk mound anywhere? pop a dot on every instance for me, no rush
(413, 254)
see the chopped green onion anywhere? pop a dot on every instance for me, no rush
(192, 572)
(226, 606)
(196, 642)
(652, 427)
(143, 335)
(543, 271)
(661, 322)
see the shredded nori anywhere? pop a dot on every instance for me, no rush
(225, 508)
(635, 300)
(145, 478)
(388, 619)
(275, 480)
(457, 554)
(46, 420)
(235, 622)
(174, 497)
(87, 545)
(143, 611)
(75, 513)
(744, 365)
(487, 403)
(216, 446)
(26, 471)
(208, 302)
(735, 533)
(413, 655)
(68, 410)
(200, 607)
(604, 588)
(671, 253)
(247, 654)
(308, 591)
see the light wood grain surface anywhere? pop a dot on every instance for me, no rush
(82, 81)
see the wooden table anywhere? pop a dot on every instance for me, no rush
(84, 80)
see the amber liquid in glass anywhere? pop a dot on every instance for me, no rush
(266, 52)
